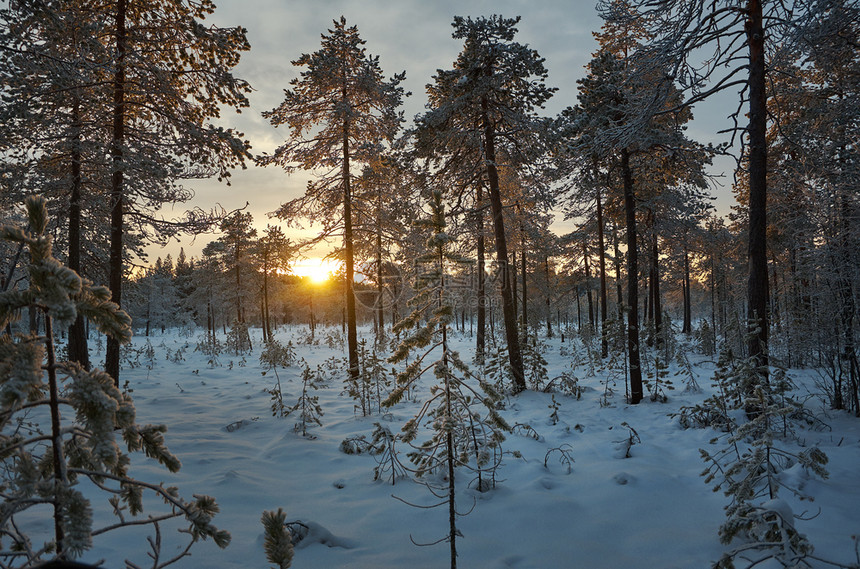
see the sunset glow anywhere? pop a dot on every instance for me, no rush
(318, 270)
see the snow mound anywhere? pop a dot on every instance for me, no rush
(305, 534)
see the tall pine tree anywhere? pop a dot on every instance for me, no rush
(339, 110)
(488, 102)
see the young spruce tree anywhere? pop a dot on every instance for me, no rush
(458, 432)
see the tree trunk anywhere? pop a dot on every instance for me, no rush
(604, 347)
(351, 332)
(267, 330)
(648, 317)
(78, 350)
(508, 310)
(117, 182)
(636, 391)
(450, 451)
(713, 303)
(655, 286)
(513, 277)
(591, 320)
(847, 308)
(523, 276)
(240, 317)
(395, 314)
(687, 327)
(313, 320)
(148, 306)
(380, 315)
(757, 289)
(619, 292)
(263, 316)
(210, 318)
(57, 459)
(548, 303)
(578, 310)
(480, 335)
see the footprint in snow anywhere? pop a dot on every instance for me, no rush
(622, 478)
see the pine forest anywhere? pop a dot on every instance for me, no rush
(371, 284)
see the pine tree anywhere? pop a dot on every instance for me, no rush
(744, 38)
(46, 463)
(51, 139)
(132, 90)
(627, 118)
(274, 254)
(340, 111)
(237, 237)
(603, 110)
(458, 432)
(307, 405)
(814, 162)
(748, 470)
(487, 103)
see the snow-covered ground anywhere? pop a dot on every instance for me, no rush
(651, 510)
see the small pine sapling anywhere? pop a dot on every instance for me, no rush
(356, 444)
(277, 539)
(657, 380)
(497, 368)
(705, 339)
(554, 407)
(307, 337)
(381, 446)
(279, 408)
(627, 443)
(748, 470)
(75, 446)
(130, 356)
(565, 457)
(484, 446)
(278, 354)
(334, 339)
(149, 354)
(372, 382)
(359, 386)
(379, 378)
(566, 383)
(535, 364)
(330, 369)
(210, 346)
(686, 369)
(307, 405)
(526, 430)
(448, 410)
(609, 382)
(238, 339)
(716, 410)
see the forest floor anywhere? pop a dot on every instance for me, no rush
(651, 510)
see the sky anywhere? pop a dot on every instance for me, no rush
(408, 35)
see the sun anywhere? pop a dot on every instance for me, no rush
(318, 270)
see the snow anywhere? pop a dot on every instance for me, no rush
(652, 510)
